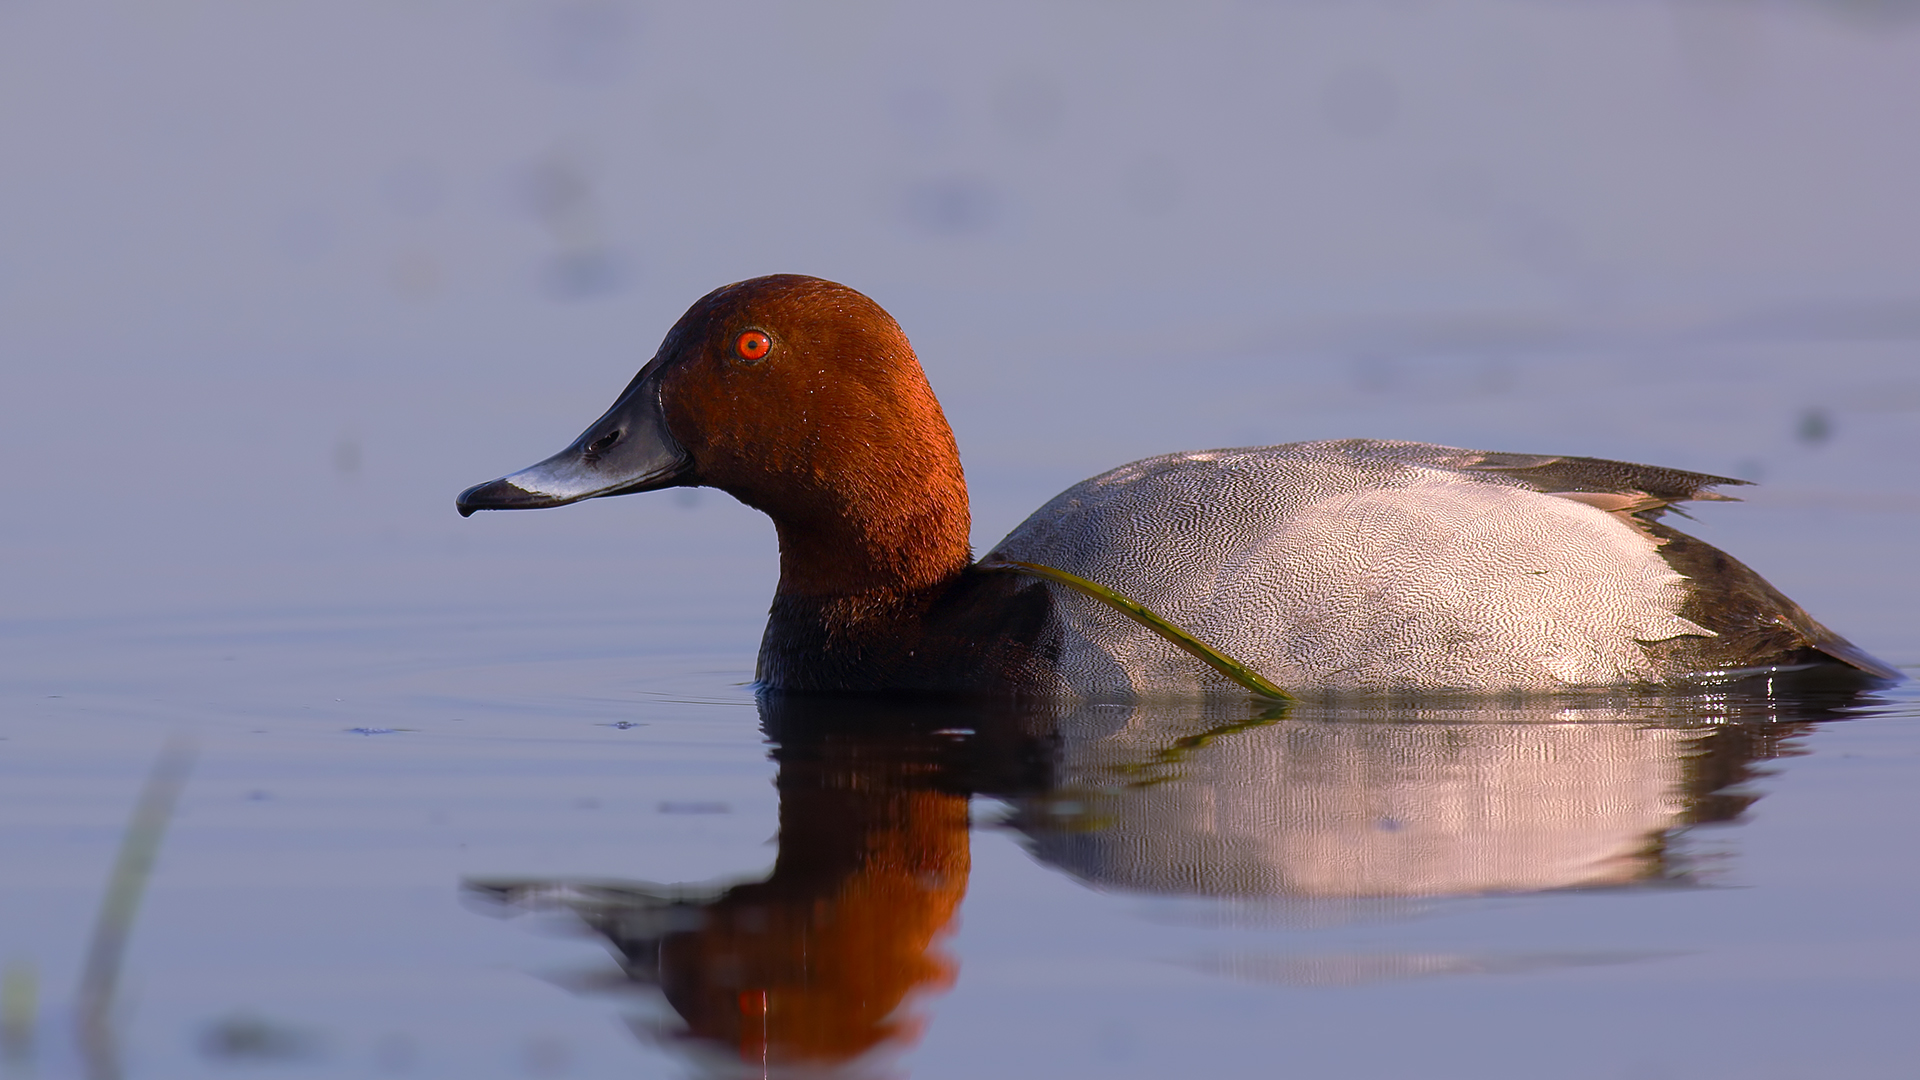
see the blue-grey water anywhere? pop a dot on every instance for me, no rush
(493, 797)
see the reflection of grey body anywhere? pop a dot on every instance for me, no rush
(1329, 808)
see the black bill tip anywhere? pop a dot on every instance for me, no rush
(500, 494)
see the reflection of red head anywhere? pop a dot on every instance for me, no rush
(812, 965)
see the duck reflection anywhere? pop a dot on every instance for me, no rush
(821, 964)
(1429, 803)
(811, 966)
(813, 963)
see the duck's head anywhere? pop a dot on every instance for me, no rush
(799, 397)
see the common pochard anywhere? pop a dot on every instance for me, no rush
(1323, 566)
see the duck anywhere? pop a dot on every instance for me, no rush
(1328, 567)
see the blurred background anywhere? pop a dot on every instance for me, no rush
(276, 281)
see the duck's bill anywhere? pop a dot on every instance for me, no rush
(627, 450)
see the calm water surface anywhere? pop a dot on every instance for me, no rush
(492, 798)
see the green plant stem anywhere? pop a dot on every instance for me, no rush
(1140, 613)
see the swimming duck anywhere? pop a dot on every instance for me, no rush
(1326, 566)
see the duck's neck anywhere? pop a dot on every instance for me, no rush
(868, 553)
(860, 573)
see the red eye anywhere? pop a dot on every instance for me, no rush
(753, 345)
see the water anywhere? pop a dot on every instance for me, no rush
(276, 285)
(1601, 886)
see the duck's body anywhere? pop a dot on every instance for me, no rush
(1361, 564)
(1324, 566)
